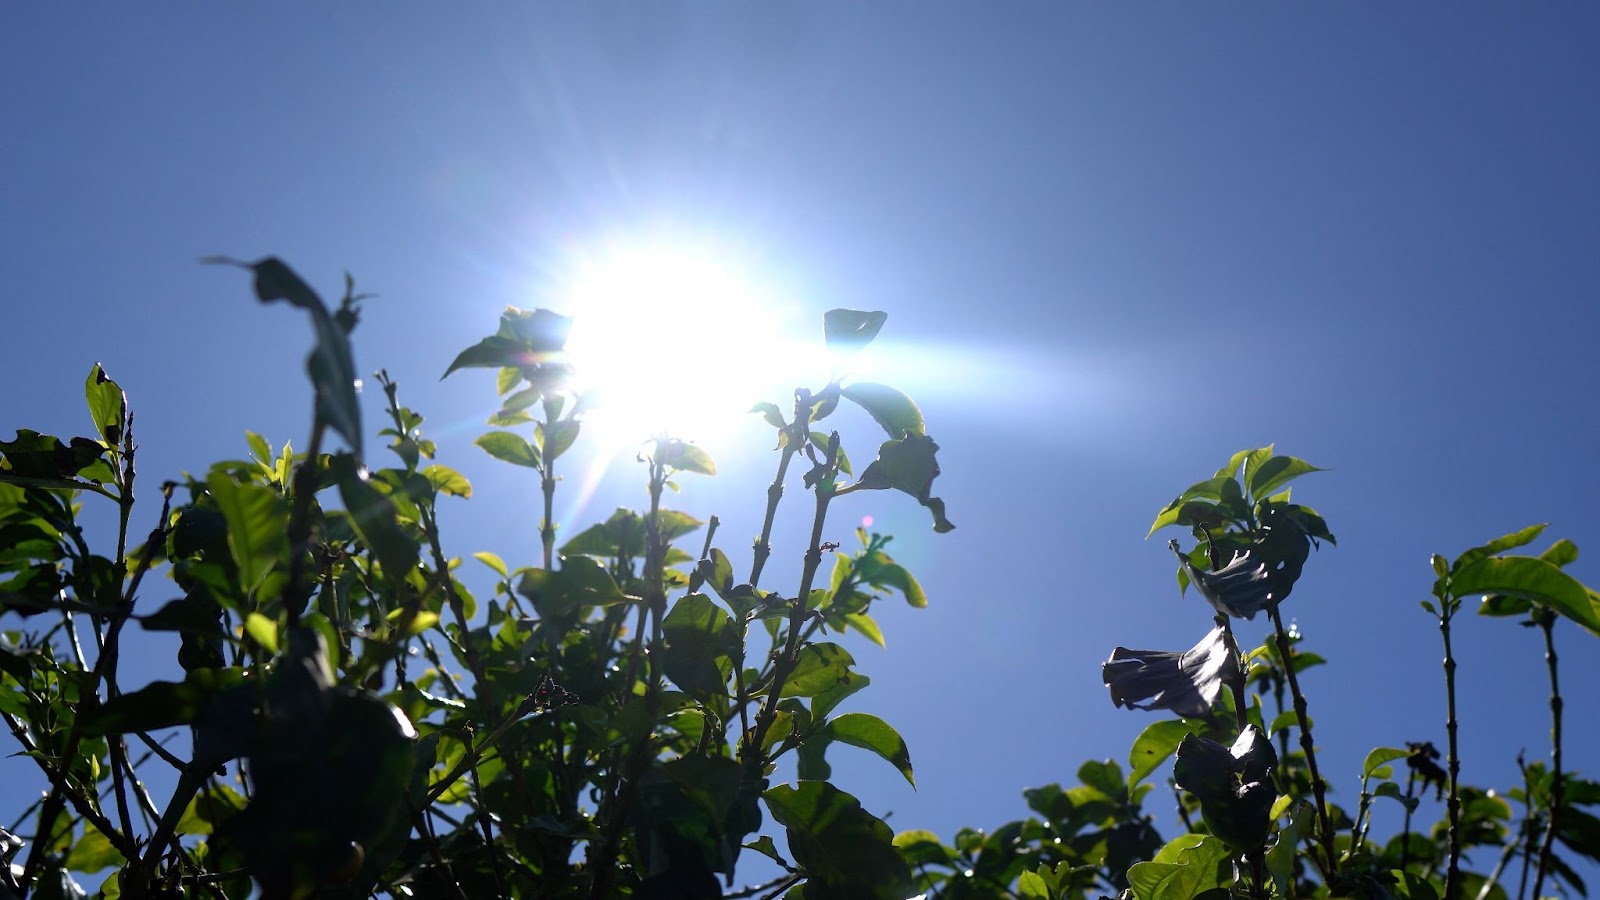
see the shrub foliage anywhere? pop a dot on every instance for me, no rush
(637, 711)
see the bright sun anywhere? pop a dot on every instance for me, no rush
(671, 339)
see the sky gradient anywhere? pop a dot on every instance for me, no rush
(1115, 243)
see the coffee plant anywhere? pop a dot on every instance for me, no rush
(637, 711)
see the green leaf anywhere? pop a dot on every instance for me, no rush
(825, 702)
(446, 480)
(1284, 721)
(846, 332)
(1280, 857)
(39, 460)
(1562, 553)
(263, 630)
(1527, 578)
(579, 582)
(908, 465)
(91, 852)
(1185, 868)
(492, 561)
(872, 733)
(897, 576)
(1152, 747)
(771, 413)
(867, 625)
(215, 804)
(700, 638)
(1274, 473)
(818, 667)
(1210, 489)
(620, 535)
(511, 448)
(509, 377)
(108, 405)
(420, 622)
(920, 847)
(1031, 887)
(896, 413)
(373, 516)
(160, 704)
(494, 352)
(258, 519)
(1500, 544)
(1253, 459)
(684, 456)
(1379, 756)
(555, 438)
(260, 450)
(847, 853)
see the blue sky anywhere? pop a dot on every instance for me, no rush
(1115, 244)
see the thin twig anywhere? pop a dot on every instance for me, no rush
(1547, 620)
(1318, 787)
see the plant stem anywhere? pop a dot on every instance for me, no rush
(1547, 620)
(797, 433)
(1452, 877)
(1318, 788)
(1499, 866)
(547, 525)
(603, 860)
(1405, 828)
(797, 614)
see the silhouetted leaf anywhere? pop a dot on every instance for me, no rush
(846, 332)
(494, 352)
(1233, 784)
(847, 853)
(908, 465)
(160, 704)
(579, 582)
(331, 364)
(373, 516)
(1186, 683)
(896, 413)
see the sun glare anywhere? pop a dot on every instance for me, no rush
(671, 340)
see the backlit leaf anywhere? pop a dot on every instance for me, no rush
(511, 448)
(258, 519)
(895, 412)
(872, 733)
(108, 405)
(1532, 579)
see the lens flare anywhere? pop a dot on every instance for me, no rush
(670, 339)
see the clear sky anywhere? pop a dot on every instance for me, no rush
(1116, 242)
